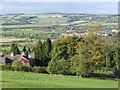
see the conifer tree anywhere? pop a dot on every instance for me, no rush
(15, 49)
(47, 51)
(26, 53)
(29, 50)
(39, 54)
(24, 49)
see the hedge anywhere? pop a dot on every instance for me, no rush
(24, 68)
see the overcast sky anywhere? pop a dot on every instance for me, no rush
(9, 7)
(59, 0)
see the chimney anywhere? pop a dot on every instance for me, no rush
(1, 53)
(22, 53)
(12, 54)
(29, 56)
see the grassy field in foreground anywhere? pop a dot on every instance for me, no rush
(30, 80)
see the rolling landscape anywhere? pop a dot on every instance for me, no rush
(59, 50)
(30, 27)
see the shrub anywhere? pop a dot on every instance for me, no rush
(17, 63)
(59, 67)
(7, 67)
(18, 68)
(81, 67)
(39, 70)
(26, 68)
(116, 72)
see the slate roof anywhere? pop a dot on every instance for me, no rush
(10, 58)
(16, 57)
(2, 58)
(26, 57)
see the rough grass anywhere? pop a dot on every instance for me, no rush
(30, 80)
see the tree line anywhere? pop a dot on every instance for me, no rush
(78, 55)
(73, 55)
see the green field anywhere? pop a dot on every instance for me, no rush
(9, 48)
(18, 31)
(23, 26)
(30, 80)
(41, 15)
(49, 20)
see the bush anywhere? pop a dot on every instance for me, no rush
(17, 63)
(39, 70)
(26, 68)
(59, 67)
(116, 73)
(18, 68)
(105, 72)
(81, 68)
(7, 67)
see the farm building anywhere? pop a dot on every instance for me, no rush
(9, 59)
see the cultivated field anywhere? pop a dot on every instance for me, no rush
(30, 80)
(18, 31)
(10, 39)
(22, 26)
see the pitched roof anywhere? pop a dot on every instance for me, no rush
(26, 57)
(2, 60)
(16, 57)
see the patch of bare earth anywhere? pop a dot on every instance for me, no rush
(8, 40)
